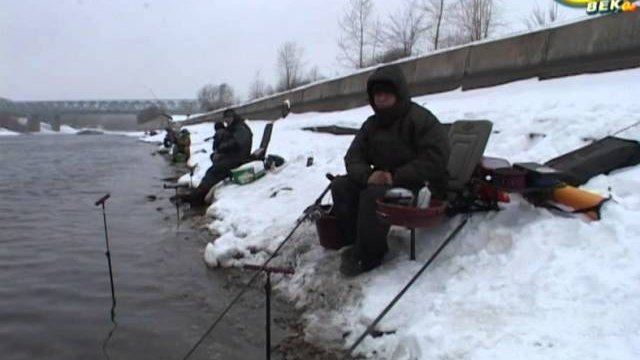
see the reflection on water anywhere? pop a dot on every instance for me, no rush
(55, 296)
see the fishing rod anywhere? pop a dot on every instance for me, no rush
(626, 128)
(309, 212)
(160, 106)
(615, 133)
(384, 312)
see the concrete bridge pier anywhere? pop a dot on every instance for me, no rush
(33, 123)
(55, 123)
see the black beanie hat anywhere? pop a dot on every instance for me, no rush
(384, 87)
(229, 113)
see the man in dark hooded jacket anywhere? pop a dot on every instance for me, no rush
(169, 138)
(232, 150)
(401, 145)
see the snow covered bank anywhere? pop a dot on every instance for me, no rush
(44, 129)
(520, 283)
(4, 131)
(64, 129)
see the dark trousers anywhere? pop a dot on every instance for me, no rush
(217, 172)
(354, 206)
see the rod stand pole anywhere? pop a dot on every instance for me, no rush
(267, 288)
(102, 202)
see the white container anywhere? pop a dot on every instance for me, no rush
(424, 197)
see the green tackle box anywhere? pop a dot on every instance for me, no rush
(246, 174)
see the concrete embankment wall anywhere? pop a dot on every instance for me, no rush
(600, 44)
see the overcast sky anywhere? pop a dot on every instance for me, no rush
(124, 49)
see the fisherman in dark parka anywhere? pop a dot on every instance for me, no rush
(401, 145)
(169, 138)
(219, 128)
(233, 148)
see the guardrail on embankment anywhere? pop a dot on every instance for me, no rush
(600, 44)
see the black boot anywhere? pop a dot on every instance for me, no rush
(351, 265)
(197, 197)
(183, 198)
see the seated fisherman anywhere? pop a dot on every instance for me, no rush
(220, 128)
(232, 151)
(182, 146)
(169, 138)
(401, 145)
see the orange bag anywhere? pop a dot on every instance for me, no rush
(581, 201)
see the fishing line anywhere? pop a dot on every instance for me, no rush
(111, 332)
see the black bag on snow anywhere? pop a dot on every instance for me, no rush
(273, 161)
(601, 157)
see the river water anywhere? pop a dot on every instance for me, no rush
(55, 297)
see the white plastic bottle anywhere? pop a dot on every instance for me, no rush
(424, 197)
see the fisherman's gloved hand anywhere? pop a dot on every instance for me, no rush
(313, 212)
(379, 177)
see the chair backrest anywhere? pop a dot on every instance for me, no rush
(468, 139)
(261, 152)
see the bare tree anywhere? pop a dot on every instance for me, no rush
(356, 26)
(475, 19)
(314, 75)
(391, 54)
(226, 94)
(434, 14)
(376, 41)
(151, 113)
(211, 97)
(541, 17)
(207, 97)
(188, 106)
(269, 90)
(258, 88)
(406, 28)
(290, 66)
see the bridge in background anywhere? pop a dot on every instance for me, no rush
(52, 112)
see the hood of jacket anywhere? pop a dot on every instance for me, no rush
(390, 75)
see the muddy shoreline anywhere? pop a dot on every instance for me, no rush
(284, 317)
